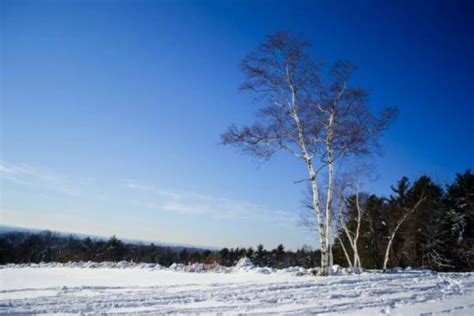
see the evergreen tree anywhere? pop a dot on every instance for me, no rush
(460, 202)
(260, 256)
(115, 249)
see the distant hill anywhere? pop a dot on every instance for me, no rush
(176, 247)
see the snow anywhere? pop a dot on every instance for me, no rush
(93, 288)
(245, 263)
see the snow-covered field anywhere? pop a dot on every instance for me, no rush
(91, 288)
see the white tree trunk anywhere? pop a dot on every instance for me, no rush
(352, 237)
(314, 184)
(357, 262)
(330, 190)
(357, 266)
(324, 229)
(392, 235)
(387, 250)
(346, 254)
(329, 212)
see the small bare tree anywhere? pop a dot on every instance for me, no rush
(351, 235)
(350, 200)
(317, 121)
(406, 213)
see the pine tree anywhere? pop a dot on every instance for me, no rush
(260, 256)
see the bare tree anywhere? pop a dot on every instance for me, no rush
(317, 121)
(351, 235)
(406, 213)
(350, 200)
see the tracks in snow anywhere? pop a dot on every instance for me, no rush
(296, 295)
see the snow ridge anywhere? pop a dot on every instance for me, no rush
(243, 265)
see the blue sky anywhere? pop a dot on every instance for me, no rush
(111, 111)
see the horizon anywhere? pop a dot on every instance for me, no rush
(79, 235)
(112, 112)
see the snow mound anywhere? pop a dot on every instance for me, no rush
(336, 269)
(244, 263)
(297, 271)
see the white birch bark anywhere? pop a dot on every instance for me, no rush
(393, 234)
(308, 158)
(346, 254)
(330, 190)
(357, 262)
(353, 237)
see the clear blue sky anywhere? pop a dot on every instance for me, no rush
(111, 111)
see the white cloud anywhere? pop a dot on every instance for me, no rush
(99, 198)
(30, 176)
(147, 196)
(196, 203)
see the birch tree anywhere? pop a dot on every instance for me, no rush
(352, 236)
(407, 211)
(310, 112)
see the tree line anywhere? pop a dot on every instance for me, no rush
(47, 246)
(437, 233)
(421, 224)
